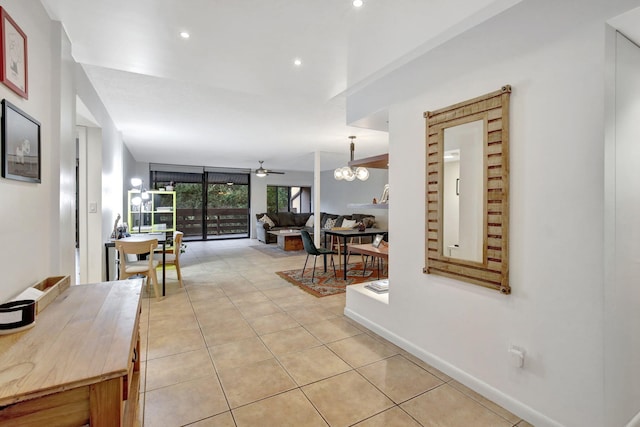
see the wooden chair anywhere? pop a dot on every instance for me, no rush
(143, 267)
(172, 256)
(337, 247)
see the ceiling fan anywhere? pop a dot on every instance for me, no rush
(261, 172)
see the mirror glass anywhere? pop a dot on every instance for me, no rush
(463, 192)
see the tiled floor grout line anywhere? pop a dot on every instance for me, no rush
(243, 309)
(277, 359)
(325, 345)
(215, 370)
(300, 387)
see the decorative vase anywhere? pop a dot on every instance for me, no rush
(361, 226)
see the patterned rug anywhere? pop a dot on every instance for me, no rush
(324, 284)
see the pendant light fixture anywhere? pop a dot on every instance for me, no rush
(347, 172)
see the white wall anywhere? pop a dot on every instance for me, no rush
(34, 217)
(555, 311)
(622, 240)
(63, 125)
(131, 169)
(95, 238)
(104, 186)
(39, 219)
(335, 196)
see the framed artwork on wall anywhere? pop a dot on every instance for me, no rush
(20, 144)
(13, 55)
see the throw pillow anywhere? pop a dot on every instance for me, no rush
(266, 220)
(368, 221)
(331, 222)
(349, 223)
(309, 222)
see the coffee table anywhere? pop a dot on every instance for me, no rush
(288, 240)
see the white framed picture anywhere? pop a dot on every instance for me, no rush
(377, 240)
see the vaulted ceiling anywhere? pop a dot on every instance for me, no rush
(230, 94)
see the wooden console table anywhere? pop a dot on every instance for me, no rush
(79, 364)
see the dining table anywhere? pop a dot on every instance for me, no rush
(139, 237)
(344, 234)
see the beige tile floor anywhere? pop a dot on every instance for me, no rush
(238, 346)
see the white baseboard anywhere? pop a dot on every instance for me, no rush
(635, 421)
(516, 407)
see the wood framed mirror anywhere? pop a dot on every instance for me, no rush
(467, 200)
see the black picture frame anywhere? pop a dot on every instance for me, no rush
(21, 158)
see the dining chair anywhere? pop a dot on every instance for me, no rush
(172, 255)
(145, 267)
(337, 246)
(311, 249)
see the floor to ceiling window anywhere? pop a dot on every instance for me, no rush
(209, 204)
(227, 205)
(288, 199)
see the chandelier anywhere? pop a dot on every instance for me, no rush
(347, 172)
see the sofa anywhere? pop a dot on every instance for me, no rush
(299, 221)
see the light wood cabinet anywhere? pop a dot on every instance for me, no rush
(79, 364)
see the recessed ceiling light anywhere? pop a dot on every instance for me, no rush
(358, 3)
(184, 35)
(297, 62)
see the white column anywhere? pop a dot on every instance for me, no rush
(316, 198)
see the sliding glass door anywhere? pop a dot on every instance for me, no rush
(209, 205)
(227, 205)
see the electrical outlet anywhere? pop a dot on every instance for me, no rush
(516, 356)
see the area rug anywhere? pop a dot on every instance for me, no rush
(324, 284)
(275, 252)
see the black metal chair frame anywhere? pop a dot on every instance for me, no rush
(311, 249)
(373, 265)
